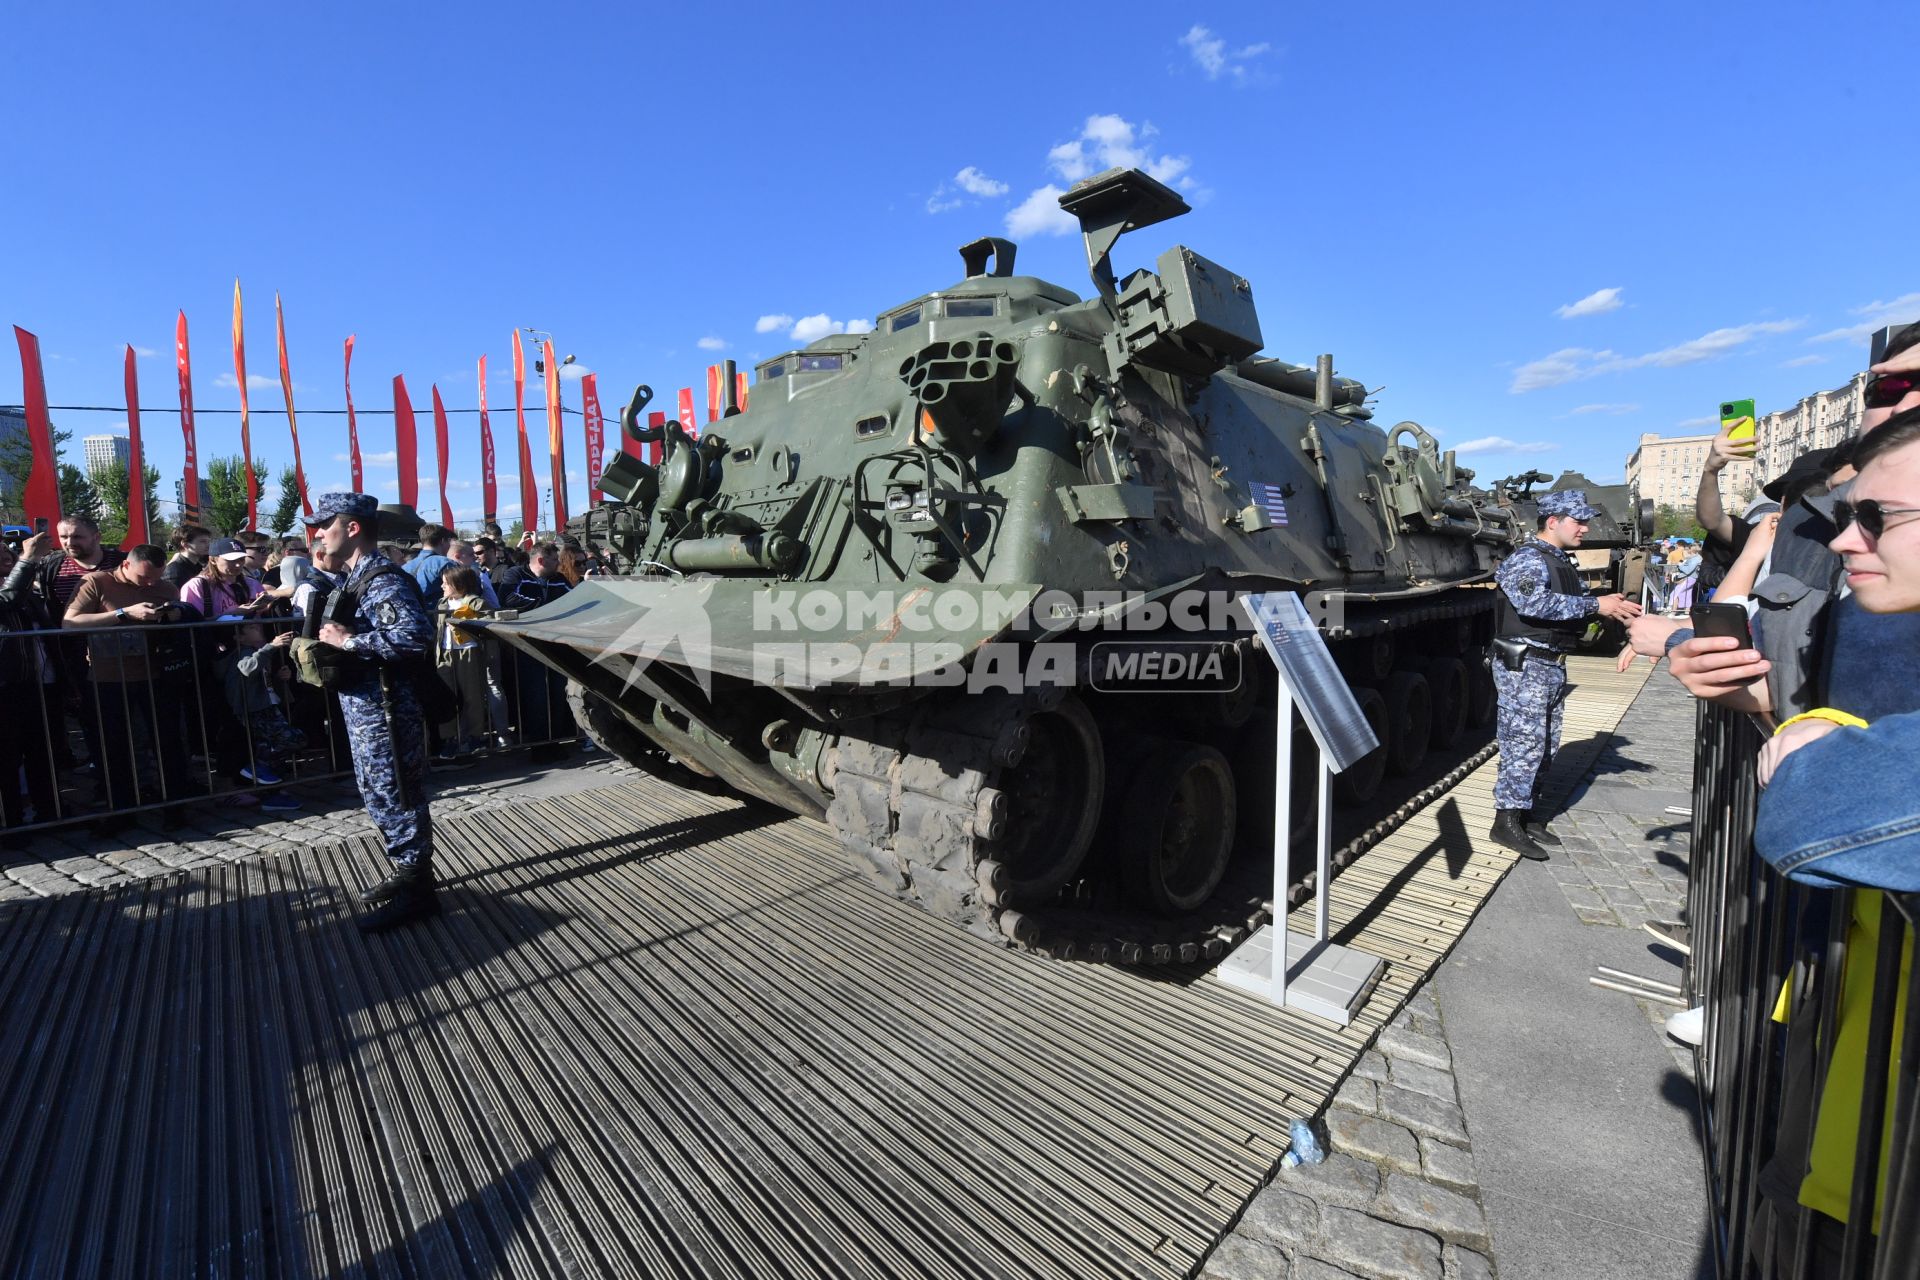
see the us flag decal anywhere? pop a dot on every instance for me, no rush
(1270, 501)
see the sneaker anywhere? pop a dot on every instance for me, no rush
(1671, 933)
(261, 774)
(1689, 1025)
(279, 802)
(242, 799)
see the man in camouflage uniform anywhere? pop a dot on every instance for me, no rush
(1542, 611)
(388, 637)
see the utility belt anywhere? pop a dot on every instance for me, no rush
(1512, 653)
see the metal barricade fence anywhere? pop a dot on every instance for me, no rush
(1792, 980)
(99, 723)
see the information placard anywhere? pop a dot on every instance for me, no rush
(1319, 690)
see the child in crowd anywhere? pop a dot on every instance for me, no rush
(463, 661)
(257, 679)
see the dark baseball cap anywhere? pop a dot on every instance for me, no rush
(356, 506)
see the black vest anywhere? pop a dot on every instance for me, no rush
(1562, 579)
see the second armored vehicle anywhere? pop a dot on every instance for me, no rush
(964, 588)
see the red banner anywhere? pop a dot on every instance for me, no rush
(556, 439)
(406, 456)
(716, 391)
(293, 427)
(529, 491)
(687, 419)
(488, 496)
(596, 435)
(740, 390)
(440, 453)
(190, 485)
(353, 427)
(655, 419)
(246, 430)
(138, 530)
(42, 496)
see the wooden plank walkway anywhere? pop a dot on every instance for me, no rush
(656, 1034)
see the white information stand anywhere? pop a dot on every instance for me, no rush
(1318, 976)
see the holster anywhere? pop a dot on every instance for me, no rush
(1512, 653)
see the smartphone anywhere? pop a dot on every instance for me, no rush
(1736, 419)
(39, 524)
(1722, 620)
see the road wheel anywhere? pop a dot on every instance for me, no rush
(1253, 781)
(1177, 828)
(1409, 720)
(1357, 785)
(614, 734)
(1447, 677)
(1053, 802)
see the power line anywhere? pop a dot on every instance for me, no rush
(174, 409)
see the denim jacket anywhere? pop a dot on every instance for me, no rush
(1844, 811)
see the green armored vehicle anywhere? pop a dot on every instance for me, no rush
(964, 587)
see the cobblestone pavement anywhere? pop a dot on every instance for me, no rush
(67, 859)
(1397, 1197)
(1625, 859)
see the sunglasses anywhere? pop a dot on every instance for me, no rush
(1889, 389)
(1871, 515)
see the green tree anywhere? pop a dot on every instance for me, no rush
(77, 497)
(1671, 522)
(16, 462)
(110, 483)
(286, 512)
(225, 501)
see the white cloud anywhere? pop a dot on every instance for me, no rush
(711, 343)
(1697, 422)
(1105, 142)
(813, 328)
(1596, 303)
(1040, 214)
(974, 182)
(573, 372)
(1875, 315)
(772, 324)
(1717, 343)
(1601, 408)
(145, 353)
(1572, 364)
(1801, 362)
(255, 382)
(1210, 53)
(1500, 444)
(971, 182)
(1565, 365)
(859, 326)
(1110, 142)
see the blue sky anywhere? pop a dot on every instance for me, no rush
(1540, 229)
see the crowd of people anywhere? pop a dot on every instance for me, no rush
(115, 704)
(1826, 569)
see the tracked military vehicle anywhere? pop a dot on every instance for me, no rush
(931, 588)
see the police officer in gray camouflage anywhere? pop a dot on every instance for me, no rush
(386, 637)
(1542, 611)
